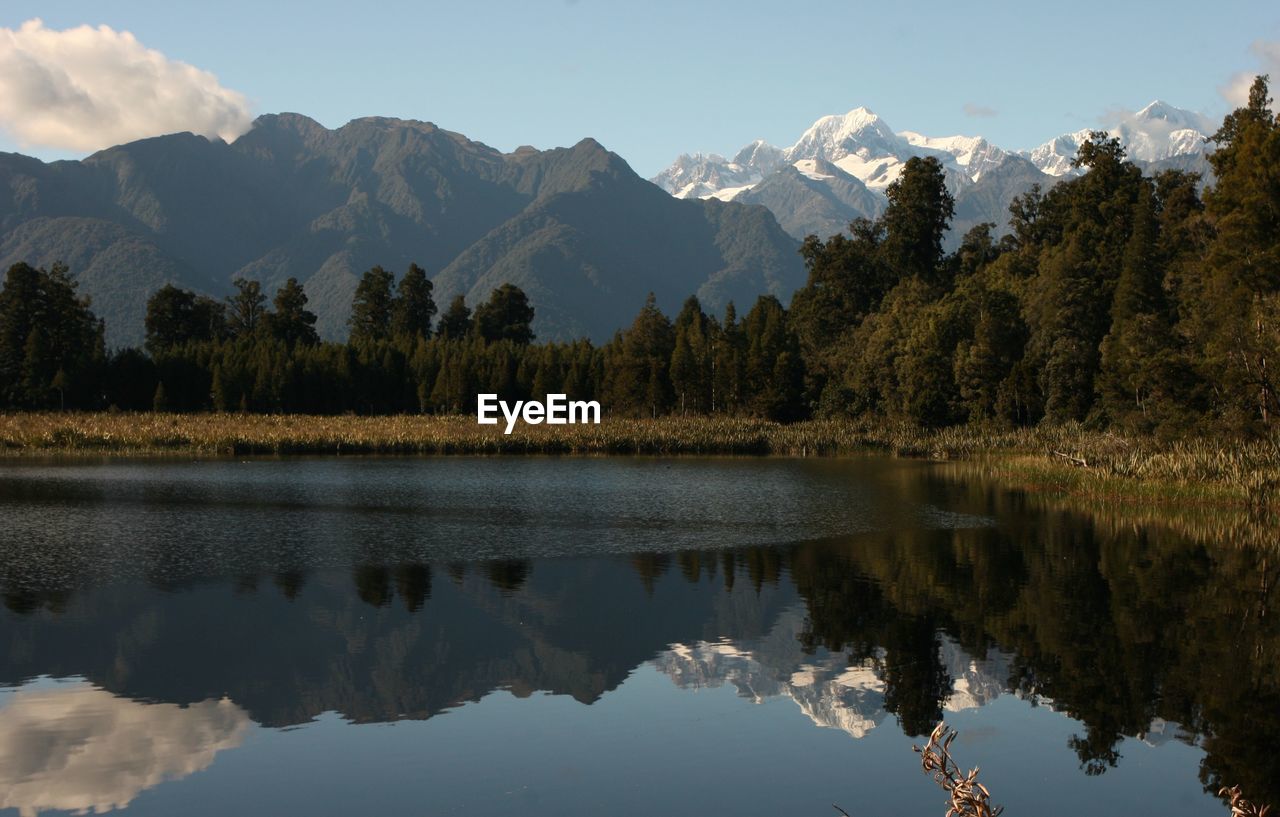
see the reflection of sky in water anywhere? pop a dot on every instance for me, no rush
(73, 747)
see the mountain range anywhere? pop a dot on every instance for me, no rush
(841, 166)
(576, 228)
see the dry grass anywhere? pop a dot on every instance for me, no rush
(1062, 458)
(238, 434)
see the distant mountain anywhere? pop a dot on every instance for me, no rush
(988, 198)
(1156, 133)
(711, 176)
(575, 227)
(838, 170)
(814, 196)
(859, 156)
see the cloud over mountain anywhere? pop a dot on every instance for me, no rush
(1236, 91)
(89, 88)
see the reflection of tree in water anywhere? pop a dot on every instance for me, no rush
(915, 680)
(508, 575)
(1115, 626)
(373, 584)
(412, 582)
(848, 611)
(650, 567)
(457, 571)
(25, 601)
(693, 563)
(289, 582)
(762, 565)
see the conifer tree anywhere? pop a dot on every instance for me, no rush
(728, 362)
(292, 323)
(641, 377)
(51, 347)
(160, 401)
(414, 308)
(178, 316)
(247, 309)
(1136, 355)
(1242, 332)
(919, 212)
(507, 315)
(691, 358)
(774, 379)
(371, 307)
(455, 323)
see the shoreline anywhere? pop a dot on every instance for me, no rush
(1064, 459)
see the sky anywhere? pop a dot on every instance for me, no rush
(648, 80)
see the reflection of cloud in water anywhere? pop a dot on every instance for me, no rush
(77, 748)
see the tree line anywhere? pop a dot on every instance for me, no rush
(1116, 298)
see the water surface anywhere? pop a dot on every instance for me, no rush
(551, 636)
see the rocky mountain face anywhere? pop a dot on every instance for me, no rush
(576, 228)
(841, 165)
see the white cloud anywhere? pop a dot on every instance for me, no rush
(88, 88)
(1236, 91)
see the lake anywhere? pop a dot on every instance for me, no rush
(623, 636)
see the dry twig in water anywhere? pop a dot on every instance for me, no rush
(969, 798)
(1241, 807)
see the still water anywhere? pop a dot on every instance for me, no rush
(560, 636)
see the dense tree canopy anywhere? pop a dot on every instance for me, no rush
(51, 351)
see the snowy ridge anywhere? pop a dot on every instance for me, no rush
(861, 144)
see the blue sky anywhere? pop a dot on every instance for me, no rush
(651, 80)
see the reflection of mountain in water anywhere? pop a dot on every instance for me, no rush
(383, 643)
(1125, 629)
(830, 691)
(73, 747)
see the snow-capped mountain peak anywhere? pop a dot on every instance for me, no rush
(973, 154)
(1158, 131)
(760, 156)
(707, 175)
(830, 131)
(858, 133)
(841, 166)
(700, 175)
(1176, 118)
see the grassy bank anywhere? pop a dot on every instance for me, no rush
(1067, 458)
